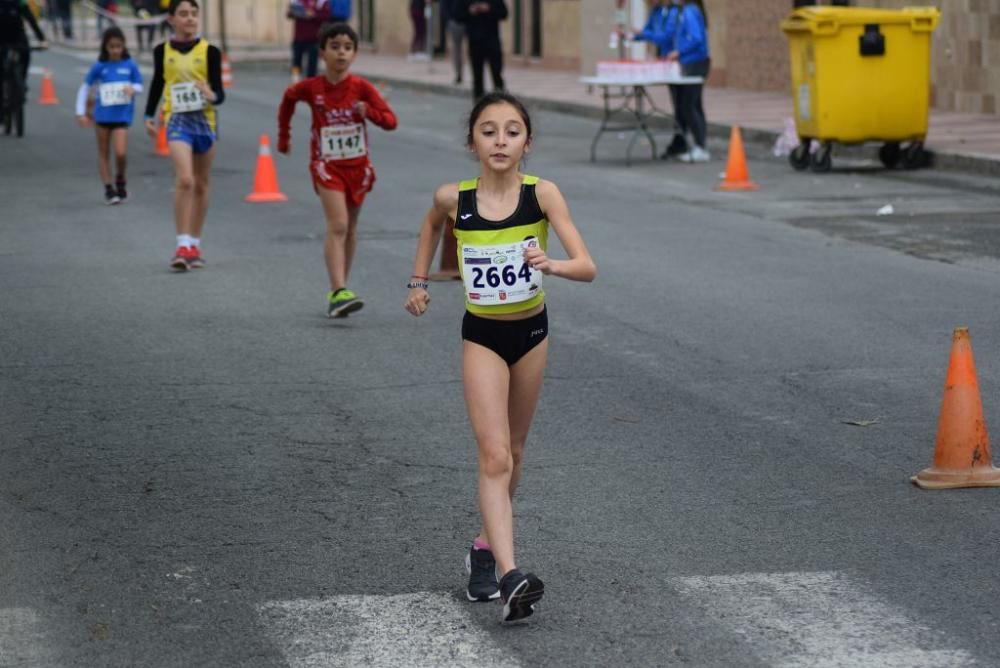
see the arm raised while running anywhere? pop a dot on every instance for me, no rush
(292, 96)
(374, 107)
(445, 206)
(579, 266)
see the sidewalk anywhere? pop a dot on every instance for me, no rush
(960, 141)
(969, 142)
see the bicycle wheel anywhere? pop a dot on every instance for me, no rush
(15, 103)
(18, 114)
(5, 115)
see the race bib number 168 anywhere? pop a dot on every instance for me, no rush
(186, 97)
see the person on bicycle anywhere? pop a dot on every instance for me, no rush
(13, 14)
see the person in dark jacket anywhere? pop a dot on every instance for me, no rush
(456, 31)
(482, 27)
(309, 17)
(418, 44)
(13, 14)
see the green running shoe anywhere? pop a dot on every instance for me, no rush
(343, 302)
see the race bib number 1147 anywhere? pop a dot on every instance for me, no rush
(342, 142)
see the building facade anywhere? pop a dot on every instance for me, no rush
(749, 51)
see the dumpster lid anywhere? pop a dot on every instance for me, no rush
(828, 20)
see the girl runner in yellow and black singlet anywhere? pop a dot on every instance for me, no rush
(502, 220)
(187, 73)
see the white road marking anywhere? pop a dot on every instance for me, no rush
(819, 620)
(22, 641)
(422, 630)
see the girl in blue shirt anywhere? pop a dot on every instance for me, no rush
(691, 49)
(661, 30)
(116, 78)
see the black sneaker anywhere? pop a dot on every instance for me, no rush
(482, 570)
(111, 195)
(122, 192)
(678, 146)
(520, 592)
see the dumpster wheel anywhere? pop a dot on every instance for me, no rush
(914, 156)
(799, 157)
(822, 159)
(889, 154)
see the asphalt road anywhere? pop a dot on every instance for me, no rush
(202, 470)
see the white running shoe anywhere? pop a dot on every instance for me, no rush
(697, 154)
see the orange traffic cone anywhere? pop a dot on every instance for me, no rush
(737, 177)
(162, 147)
(48, 95)
(227, 72)
(962, 451)
(265, 182)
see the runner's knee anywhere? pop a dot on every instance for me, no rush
(495, 460)
(335, 227)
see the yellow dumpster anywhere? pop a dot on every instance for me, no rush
(860, 75)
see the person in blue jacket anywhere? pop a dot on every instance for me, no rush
(117, 80)
(691, 50)
(660, 29)
(651, 32)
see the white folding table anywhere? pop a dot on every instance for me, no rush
(626, 108)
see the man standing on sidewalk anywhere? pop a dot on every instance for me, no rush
(482, 27)
(456, 31)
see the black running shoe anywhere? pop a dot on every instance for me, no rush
(111, 195)
(678, 146)
(520, 592)
(122, 191)
(482, 570)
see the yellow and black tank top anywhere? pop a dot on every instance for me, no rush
(527, 222)
(179, 67)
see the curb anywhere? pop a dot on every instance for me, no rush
(957, 162)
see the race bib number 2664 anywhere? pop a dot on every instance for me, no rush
(498, 274)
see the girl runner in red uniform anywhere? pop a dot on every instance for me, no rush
(342, 174)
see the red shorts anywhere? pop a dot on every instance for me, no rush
(354, 182)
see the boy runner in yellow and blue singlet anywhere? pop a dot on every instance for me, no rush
(187, 73)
